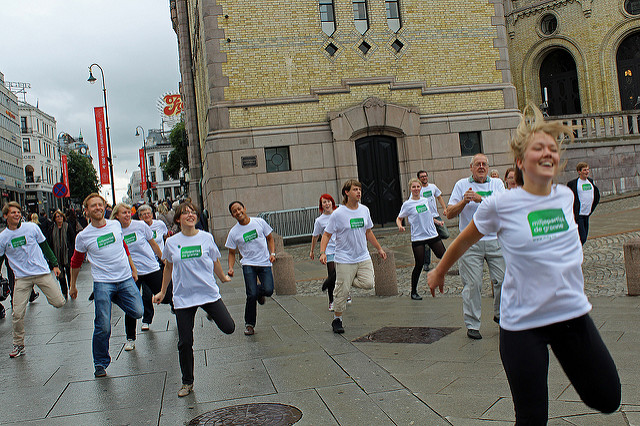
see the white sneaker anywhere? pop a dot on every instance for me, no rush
(130, 345)
(348, 300)
(331, 306)
(145, 327)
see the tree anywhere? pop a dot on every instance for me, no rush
(178, 157)
(83, 178)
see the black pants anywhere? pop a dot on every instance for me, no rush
(419, 249)
(330, 282)
(582, 355)
(153, 284)
(185, 320)
(64, 279)
(583, 227)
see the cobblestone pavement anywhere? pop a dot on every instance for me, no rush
(603, 265)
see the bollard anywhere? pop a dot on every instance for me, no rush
(283, 274)
(632, 266)
(386, 281)
(278, 242)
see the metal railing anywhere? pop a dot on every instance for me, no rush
(603, 126)
(292, 223)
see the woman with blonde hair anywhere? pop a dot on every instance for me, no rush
(543, 301)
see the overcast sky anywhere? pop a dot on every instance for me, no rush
(51, 43)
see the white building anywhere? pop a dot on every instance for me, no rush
(11, 171)
(158, 148)
(68, 143)
(41, 158)
(134, 194)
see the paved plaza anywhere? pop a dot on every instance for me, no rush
(296, 360)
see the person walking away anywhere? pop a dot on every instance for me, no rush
(586, 197)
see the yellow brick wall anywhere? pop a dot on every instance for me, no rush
(277, 50)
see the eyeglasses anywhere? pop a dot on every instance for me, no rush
(480, 165)
(189, 213)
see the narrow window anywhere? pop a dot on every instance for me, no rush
(360, 17)
(151, 162)
(26, 145)
(277, 159)
(327, 17)
(393, 15)
(470, 143)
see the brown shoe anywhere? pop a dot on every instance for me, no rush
(185, 390)
(248, 331)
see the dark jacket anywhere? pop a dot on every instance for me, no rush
(573, 186)
(71, 239)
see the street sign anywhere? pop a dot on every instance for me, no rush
(60, 190)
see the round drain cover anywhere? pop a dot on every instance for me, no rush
(250, 414)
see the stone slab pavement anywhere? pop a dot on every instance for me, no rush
(295, 359)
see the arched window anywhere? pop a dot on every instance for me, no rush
(360, 16)
(393, 15)
(327, 17)
(28, 173)
(559, 83)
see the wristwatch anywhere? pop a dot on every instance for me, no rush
(273, 254)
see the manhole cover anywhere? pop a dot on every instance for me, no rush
(407, 334)
(250, 414)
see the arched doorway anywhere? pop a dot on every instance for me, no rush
(559, 76)
(628, 62)
(378, 172)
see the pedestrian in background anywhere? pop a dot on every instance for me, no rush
(586, 197)
(61, 239)
(327, 206)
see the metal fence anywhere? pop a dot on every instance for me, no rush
(292, 223)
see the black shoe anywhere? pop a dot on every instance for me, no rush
(496, 320)
(416, 296)
(473, 334)
(425, 267)
(261, 300)
(91, 297)
(100, 371)
(337, 326)
(34, 296)
(2, 312)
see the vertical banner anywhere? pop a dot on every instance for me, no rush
(143, 171)
(103, 163)
(65, 175)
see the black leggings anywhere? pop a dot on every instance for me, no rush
(330, 282)
(582, 355)
(151, 284)
(418, 247)
(185, 319)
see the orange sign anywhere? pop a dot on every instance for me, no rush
(173, 105)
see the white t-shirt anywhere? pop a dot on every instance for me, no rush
(21, 246)
(105, 251)
(431, 192)
(159, 230)
(192, 257)
(585, 195)
(486, 189)
(137, 236)
(420, 218)
(251, 241)
(318, 229)
(350, 227)
(543, 282)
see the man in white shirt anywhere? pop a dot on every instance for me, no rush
(113, 273)
(432, 193)
(251, 236)
(352, 225)
(465, 198)
(586, 197)
(25, 248)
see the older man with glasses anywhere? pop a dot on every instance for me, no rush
(465, 198)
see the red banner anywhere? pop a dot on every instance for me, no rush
(65, 175)
(103, 163)
(143, 171)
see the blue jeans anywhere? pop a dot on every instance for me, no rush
(126, 295)
(254, 291)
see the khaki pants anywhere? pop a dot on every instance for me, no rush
(21, 292)
(359, 275)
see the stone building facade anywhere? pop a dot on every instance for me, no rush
(285, 101)
(11, 172)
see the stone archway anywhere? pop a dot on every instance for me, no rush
(628, 66)
(559, 83)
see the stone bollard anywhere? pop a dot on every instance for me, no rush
(385, 270)
(283, 270)
(632, 266)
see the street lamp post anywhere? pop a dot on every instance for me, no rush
(144, 150)
(92, 80)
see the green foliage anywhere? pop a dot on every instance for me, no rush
(178, 157)
(83, 178)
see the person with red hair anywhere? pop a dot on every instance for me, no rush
(327, 206)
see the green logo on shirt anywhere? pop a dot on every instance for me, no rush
(19, 241)
(357, 222)
(250, 236)
(105, 240)
(130, 238)
(545, 222)
(484, 193)
(154, 235)
(427, 194)
(191, 251)
(586, 187)
(421, 208)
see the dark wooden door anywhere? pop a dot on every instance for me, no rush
(559, 75)
(378, 172)
(628, 61)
